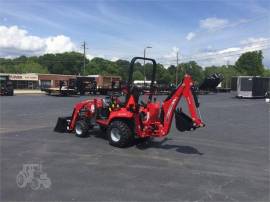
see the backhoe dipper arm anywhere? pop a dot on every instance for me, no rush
(169, 105)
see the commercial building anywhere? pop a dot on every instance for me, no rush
(23, 81)
(37, 81)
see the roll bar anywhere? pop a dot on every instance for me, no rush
(130, 76)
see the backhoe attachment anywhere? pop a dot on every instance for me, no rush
(183, 122)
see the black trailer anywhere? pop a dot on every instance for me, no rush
(109, 84)
(85, 84)
(81, 85)
(6, 86)
(91, 84)
(250, 86)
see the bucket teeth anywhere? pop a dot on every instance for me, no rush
(62, 124)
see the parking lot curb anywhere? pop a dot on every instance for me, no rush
(29, 92)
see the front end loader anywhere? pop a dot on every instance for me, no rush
(125, 121)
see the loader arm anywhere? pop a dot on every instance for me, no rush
(170, 104)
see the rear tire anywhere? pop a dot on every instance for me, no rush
(10, 93)
(120, 134)
(81, 128)
(21, 180)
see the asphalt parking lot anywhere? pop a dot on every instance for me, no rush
(226, 161)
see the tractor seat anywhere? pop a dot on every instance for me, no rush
(135, 91)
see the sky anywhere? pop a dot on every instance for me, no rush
(209, 32)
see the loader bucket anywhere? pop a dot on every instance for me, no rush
(182, 121)
(211, 82)
(62, 124)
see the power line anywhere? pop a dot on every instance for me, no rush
(169, 62)
(206, 57)
(225, 54)
(263, 45)
(127, 57)
(246, 46)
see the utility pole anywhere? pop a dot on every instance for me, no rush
(176, 69)
(84, 47)
(227, 81)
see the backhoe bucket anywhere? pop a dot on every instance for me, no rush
(62, 124)
(182, 121)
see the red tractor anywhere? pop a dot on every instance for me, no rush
(131, 119)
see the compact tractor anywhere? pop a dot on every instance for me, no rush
(129, 120)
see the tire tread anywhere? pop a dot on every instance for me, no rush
(126, 134)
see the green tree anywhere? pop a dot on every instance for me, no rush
(72, 63)
(137, 75)
(193, 69)
(102, 66)
(172, 69)
(31, 67)
(68, 63)
(123, 67)
(250, 63)
(266, 73)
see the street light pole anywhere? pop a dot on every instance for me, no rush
(144, 52)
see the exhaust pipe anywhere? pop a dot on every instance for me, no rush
(62, 125)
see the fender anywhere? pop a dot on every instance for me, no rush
(122, 113)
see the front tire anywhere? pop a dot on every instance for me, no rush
(120, 134)
(35, 184)
(81, 128)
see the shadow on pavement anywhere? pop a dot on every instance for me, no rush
(160, 145)
(150, 143)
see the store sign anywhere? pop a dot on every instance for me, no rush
(23, 77)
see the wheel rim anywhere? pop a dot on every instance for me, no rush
(115, 135)
(78, 129)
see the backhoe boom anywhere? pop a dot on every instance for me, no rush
(170, 104)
